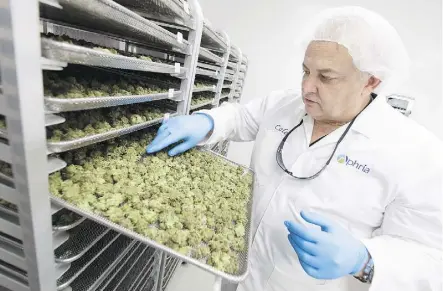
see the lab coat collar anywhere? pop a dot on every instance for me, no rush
(371, 120)
(368, 123)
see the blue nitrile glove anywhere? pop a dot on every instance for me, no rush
(190, 129)
(329, 253)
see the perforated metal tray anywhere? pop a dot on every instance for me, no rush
(167, 10)
(58, 147)
(148, 272)
(124, 265)
(211, 74)
(82, 239)
(209, 56)
(86, 56)
(100, 269)
(239, 276)
(124, 279)
(204, 89)
(211, 39)
(109, 16)
(78, 266)
(75, 104)
(197, 106)
(170, 268)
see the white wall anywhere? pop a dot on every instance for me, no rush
(266, 29)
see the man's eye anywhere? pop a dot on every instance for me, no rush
(305, 72)
(325, 78)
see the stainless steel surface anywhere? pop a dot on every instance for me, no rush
(132, 270)
(110, 16)
(86, 56)
(209, 56)
(52, 65)
(123, 266)
(100, 269)
(57, 226)
(53, 3)
(170, 267)
(78, 266)
(82, 239)
(212, 39)
(7, 192)
(13, 278)
(3, 133)
(5, 153)
(165, 10)
(203, 89)
(209, 73)
(197, 106)
(144, 274)
(55, 164)
(148, 285)
(14, 255)
(58, 147)
(75, 104)
(51, 119)
(242, 256)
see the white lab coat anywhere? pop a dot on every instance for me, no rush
(388, 194)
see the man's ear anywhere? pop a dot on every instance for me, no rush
(371, 84)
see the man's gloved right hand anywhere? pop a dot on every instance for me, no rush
(190, 129)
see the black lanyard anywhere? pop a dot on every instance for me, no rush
(282, 143)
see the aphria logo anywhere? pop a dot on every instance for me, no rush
(344, 159)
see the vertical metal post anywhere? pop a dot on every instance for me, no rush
(223, 70)
(162, 272)
(191, 59)
(244, 78)
(237, 70)
(23, 93)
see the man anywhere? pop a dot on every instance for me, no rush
(346, 187)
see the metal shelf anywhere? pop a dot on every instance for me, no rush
(169, 271)
(99, 270)
(50, 119)
(211, 39)
(53, 3)
(197, 106)
(82, 239)
(133, 269)
(76, 104)
(108, 16)
(172, 11)
(52, 65)
(14, 213)
(11, 254)
(203, 89)
(148, 272)
(80, 265)
(123, 266)
(58, 147)
(5, 153)
(13, 278)
(76, 54)
(212, 74)
(209, 56)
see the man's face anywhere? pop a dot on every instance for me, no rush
(333, 88)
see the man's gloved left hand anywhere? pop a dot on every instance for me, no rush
(329, 253)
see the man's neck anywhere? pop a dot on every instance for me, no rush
(325, 127)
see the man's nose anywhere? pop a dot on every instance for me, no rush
(309, 85)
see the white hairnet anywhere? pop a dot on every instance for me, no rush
(373, 43)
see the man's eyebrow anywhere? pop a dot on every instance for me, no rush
(323, 71)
